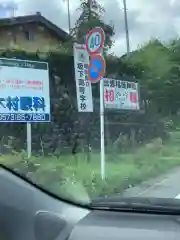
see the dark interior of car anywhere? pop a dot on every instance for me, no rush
(29, 213)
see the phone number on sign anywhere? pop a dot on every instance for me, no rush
(21, 117)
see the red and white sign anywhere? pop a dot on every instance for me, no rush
(96, 68)
(109, 95)
(95, 40)
(120, 94)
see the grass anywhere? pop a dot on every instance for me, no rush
(78, 178)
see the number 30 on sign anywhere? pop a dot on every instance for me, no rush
(95, 40)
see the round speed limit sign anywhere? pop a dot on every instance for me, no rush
(95, 40)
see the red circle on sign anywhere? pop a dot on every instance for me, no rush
(101, 74)
(99, 30)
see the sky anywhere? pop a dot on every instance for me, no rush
(147, 19)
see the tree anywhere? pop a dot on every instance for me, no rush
(91, 16)
(158, 65)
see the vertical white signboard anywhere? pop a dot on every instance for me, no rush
(83, 86)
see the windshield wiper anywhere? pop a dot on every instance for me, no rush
(136, 204)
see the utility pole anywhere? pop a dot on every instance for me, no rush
(90, 7)
(126, 26)
(13, 12)
(12, 9)
(69, 16)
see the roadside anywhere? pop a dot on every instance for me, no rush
(131, 171)
(165, 186)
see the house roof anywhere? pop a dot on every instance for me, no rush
(36, 18)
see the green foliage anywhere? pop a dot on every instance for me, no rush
(157, 67)
(91, 17)
(154, 66)
(80, 180)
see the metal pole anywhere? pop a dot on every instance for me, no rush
(102, 129)
(90, 4)
(29, 140)
(126, 27)
(90, 8)
(69, 16)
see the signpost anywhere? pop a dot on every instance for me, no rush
(24, 93)
(96, 70)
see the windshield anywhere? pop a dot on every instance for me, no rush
(89, 96)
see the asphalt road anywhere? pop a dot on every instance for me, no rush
(166, 186)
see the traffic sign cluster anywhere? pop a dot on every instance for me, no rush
(94, 45)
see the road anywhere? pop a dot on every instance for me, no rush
(166, 186)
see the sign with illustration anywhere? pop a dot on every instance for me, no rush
(120, 94)
(24, 91)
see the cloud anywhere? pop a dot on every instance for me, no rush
(114, 13)
(147, 19)
(54, 10)
(150, 19)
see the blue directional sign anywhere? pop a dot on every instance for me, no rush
(96, 68)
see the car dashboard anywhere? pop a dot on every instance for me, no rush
(126, 226)
(27, 212)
